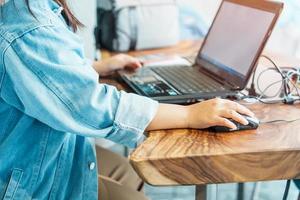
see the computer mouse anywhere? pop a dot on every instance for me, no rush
(253, 124)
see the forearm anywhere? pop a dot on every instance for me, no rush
(169, 117)
(215, 112)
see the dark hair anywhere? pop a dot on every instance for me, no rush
(68, 15)
(70, 18)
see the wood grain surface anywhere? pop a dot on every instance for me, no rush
(193, 157)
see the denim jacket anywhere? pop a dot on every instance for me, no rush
(51, 105)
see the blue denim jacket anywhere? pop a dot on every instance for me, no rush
(51, 104)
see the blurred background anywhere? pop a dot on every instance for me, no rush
(195, 17)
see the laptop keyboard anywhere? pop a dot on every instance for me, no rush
(188, 79)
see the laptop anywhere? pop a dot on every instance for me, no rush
(225, 61)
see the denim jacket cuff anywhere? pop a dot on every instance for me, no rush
(133, 115)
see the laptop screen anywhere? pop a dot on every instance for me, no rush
(234, 39)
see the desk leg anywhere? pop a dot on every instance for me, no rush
(201, 192)
(241, 191)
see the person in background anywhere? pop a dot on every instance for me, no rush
(51, 104)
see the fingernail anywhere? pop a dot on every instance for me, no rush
(233, 129)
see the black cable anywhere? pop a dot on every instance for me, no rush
(262, 92)
(280, 120)
(286, 191)
(259, 77)
(252, 90)
(297, 89)
(255, 191)
(288, 99)
(278, 68)
(284, 76)
(264, 101)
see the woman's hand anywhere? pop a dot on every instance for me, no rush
(215, 112)
(109, 66)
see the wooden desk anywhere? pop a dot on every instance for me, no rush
(195, 157)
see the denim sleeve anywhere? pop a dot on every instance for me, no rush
(48, 78)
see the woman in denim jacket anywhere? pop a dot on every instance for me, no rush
(51, 104)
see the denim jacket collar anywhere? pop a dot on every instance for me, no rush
(19, 7)
(34, 4)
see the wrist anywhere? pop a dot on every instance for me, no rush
(101, 68)
(97, 65)
(187, 116)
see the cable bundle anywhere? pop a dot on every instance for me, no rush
(289, 89)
